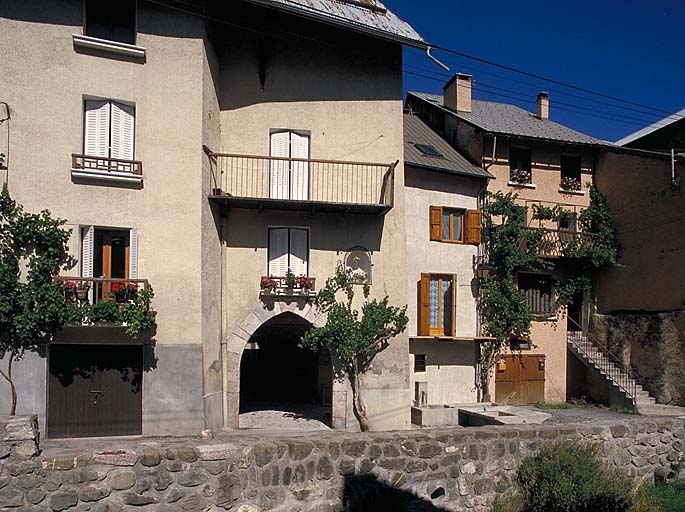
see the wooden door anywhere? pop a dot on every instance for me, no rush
(521, 378)
(94, 390)
(111, 257)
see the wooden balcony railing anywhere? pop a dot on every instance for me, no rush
(97, 289)
(106, 165)
(271, 285)
(555, 240)
(301, 184)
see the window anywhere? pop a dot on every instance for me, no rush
(288, 179)
(455, 225)
(419, 363)
(109, 129)
(288, 249)
(568, 223)
(109, 253)
(520, 165)
(428, 150)
(570, 167)
(437, 299)
(114, 21)
(358, 260)
(539, 292)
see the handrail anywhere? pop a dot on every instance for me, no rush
(97, 289)
(621, 374)
(301, 179)
(103, 163)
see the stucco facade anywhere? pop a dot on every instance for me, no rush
(201, 85)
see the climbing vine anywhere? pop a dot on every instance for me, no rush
(513, 247)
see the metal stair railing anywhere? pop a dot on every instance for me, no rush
(622, 375)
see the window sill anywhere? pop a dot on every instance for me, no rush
(572, 192)
(105, 45)
(521, 185)
(436, 337)
(122, 177)
(543, 317)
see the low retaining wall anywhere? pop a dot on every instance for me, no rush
(440, 469)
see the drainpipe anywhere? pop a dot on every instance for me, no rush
(428, 54)
(494, 152)
(222, 330)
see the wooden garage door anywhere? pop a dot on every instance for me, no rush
(95, 390)
(522, 375)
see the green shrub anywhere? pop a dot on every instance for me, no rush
(105, 311)
(510, 502)
(568, 477)
(670, 495)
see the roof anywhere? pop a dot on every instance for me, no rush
(417, 132)
(658, 125)
(507, 119)
(368, 16)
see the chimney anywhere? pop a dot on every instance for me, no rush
(543, 105)
(457, 93)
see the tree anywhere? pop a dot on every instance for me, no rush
(354, 336)
(33, 249)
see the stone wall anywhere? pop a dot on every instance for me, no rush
(441, 469)
(654, 344)
(19, 437)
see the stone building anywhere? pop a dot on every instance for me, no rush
(208, 149)
(443, 222)
(544, 163)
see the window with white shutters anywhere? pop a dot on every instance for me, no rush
(109, 129)
(289, 179)
(288, 249)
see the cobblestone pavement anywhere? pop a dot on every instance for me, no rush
(280, 421)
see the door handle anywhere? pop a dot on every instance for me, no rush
(96, 395)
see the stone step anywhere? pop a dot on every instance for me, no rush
(661, 410)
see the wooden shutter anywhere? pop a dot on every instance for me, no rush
(298, 251)
(424, 305)
(278, 251)
(451, 324)
(473, 226)
(279, 179)
(87, 255)
(299, 171)
(435, 226)
(96, 132)
(122, 135)
(133, 254)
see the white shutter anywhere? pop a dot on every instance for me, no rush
(87, 249)
(278, 176)
(278, 252)
(133, 254)
(298, 251)
(96, 133)
(123, 121)
(299, 173)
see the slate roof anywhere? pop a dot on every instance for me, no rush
(369, 16)
(507, 119)
(417, 132)
(658, 125)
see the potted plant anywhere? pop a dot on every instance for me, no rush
(305, 284)
(268, 284)
(82, 290)
(570, 184)
(69, 288)
(123, 291)
(520, 176)
(290, 280)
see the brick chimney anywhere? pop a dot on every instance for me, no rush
(457, 93)
(543, 105)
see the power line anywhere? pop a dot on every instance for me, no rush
(545, 79)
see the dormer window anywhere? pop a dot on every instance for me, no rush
(113, 21)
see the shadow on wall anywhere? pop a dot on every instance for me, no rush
(365, 493)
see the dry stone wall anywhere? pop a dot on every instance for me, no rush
(441, 469)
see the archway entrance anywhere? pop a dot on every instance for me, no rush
(282, 386)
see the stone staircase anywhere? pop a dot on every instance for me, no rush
(621, 379)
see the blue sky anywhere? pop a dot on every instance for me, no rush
(634, 50)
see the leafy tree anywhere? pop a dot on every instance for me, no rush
(33, 249)
(354, 335)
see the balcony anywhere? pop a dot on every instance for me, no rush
(279, 183)
(103, 301)
(110, 169)
(271, 286)
(555, 240)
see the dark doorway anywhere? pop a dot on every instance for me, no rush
(574, 317)
(277, 375)
(95, 390)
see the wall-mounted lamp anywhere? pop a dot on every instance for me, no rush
(483, 269)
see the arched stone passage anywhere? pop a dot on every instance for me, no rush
(235, 344)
